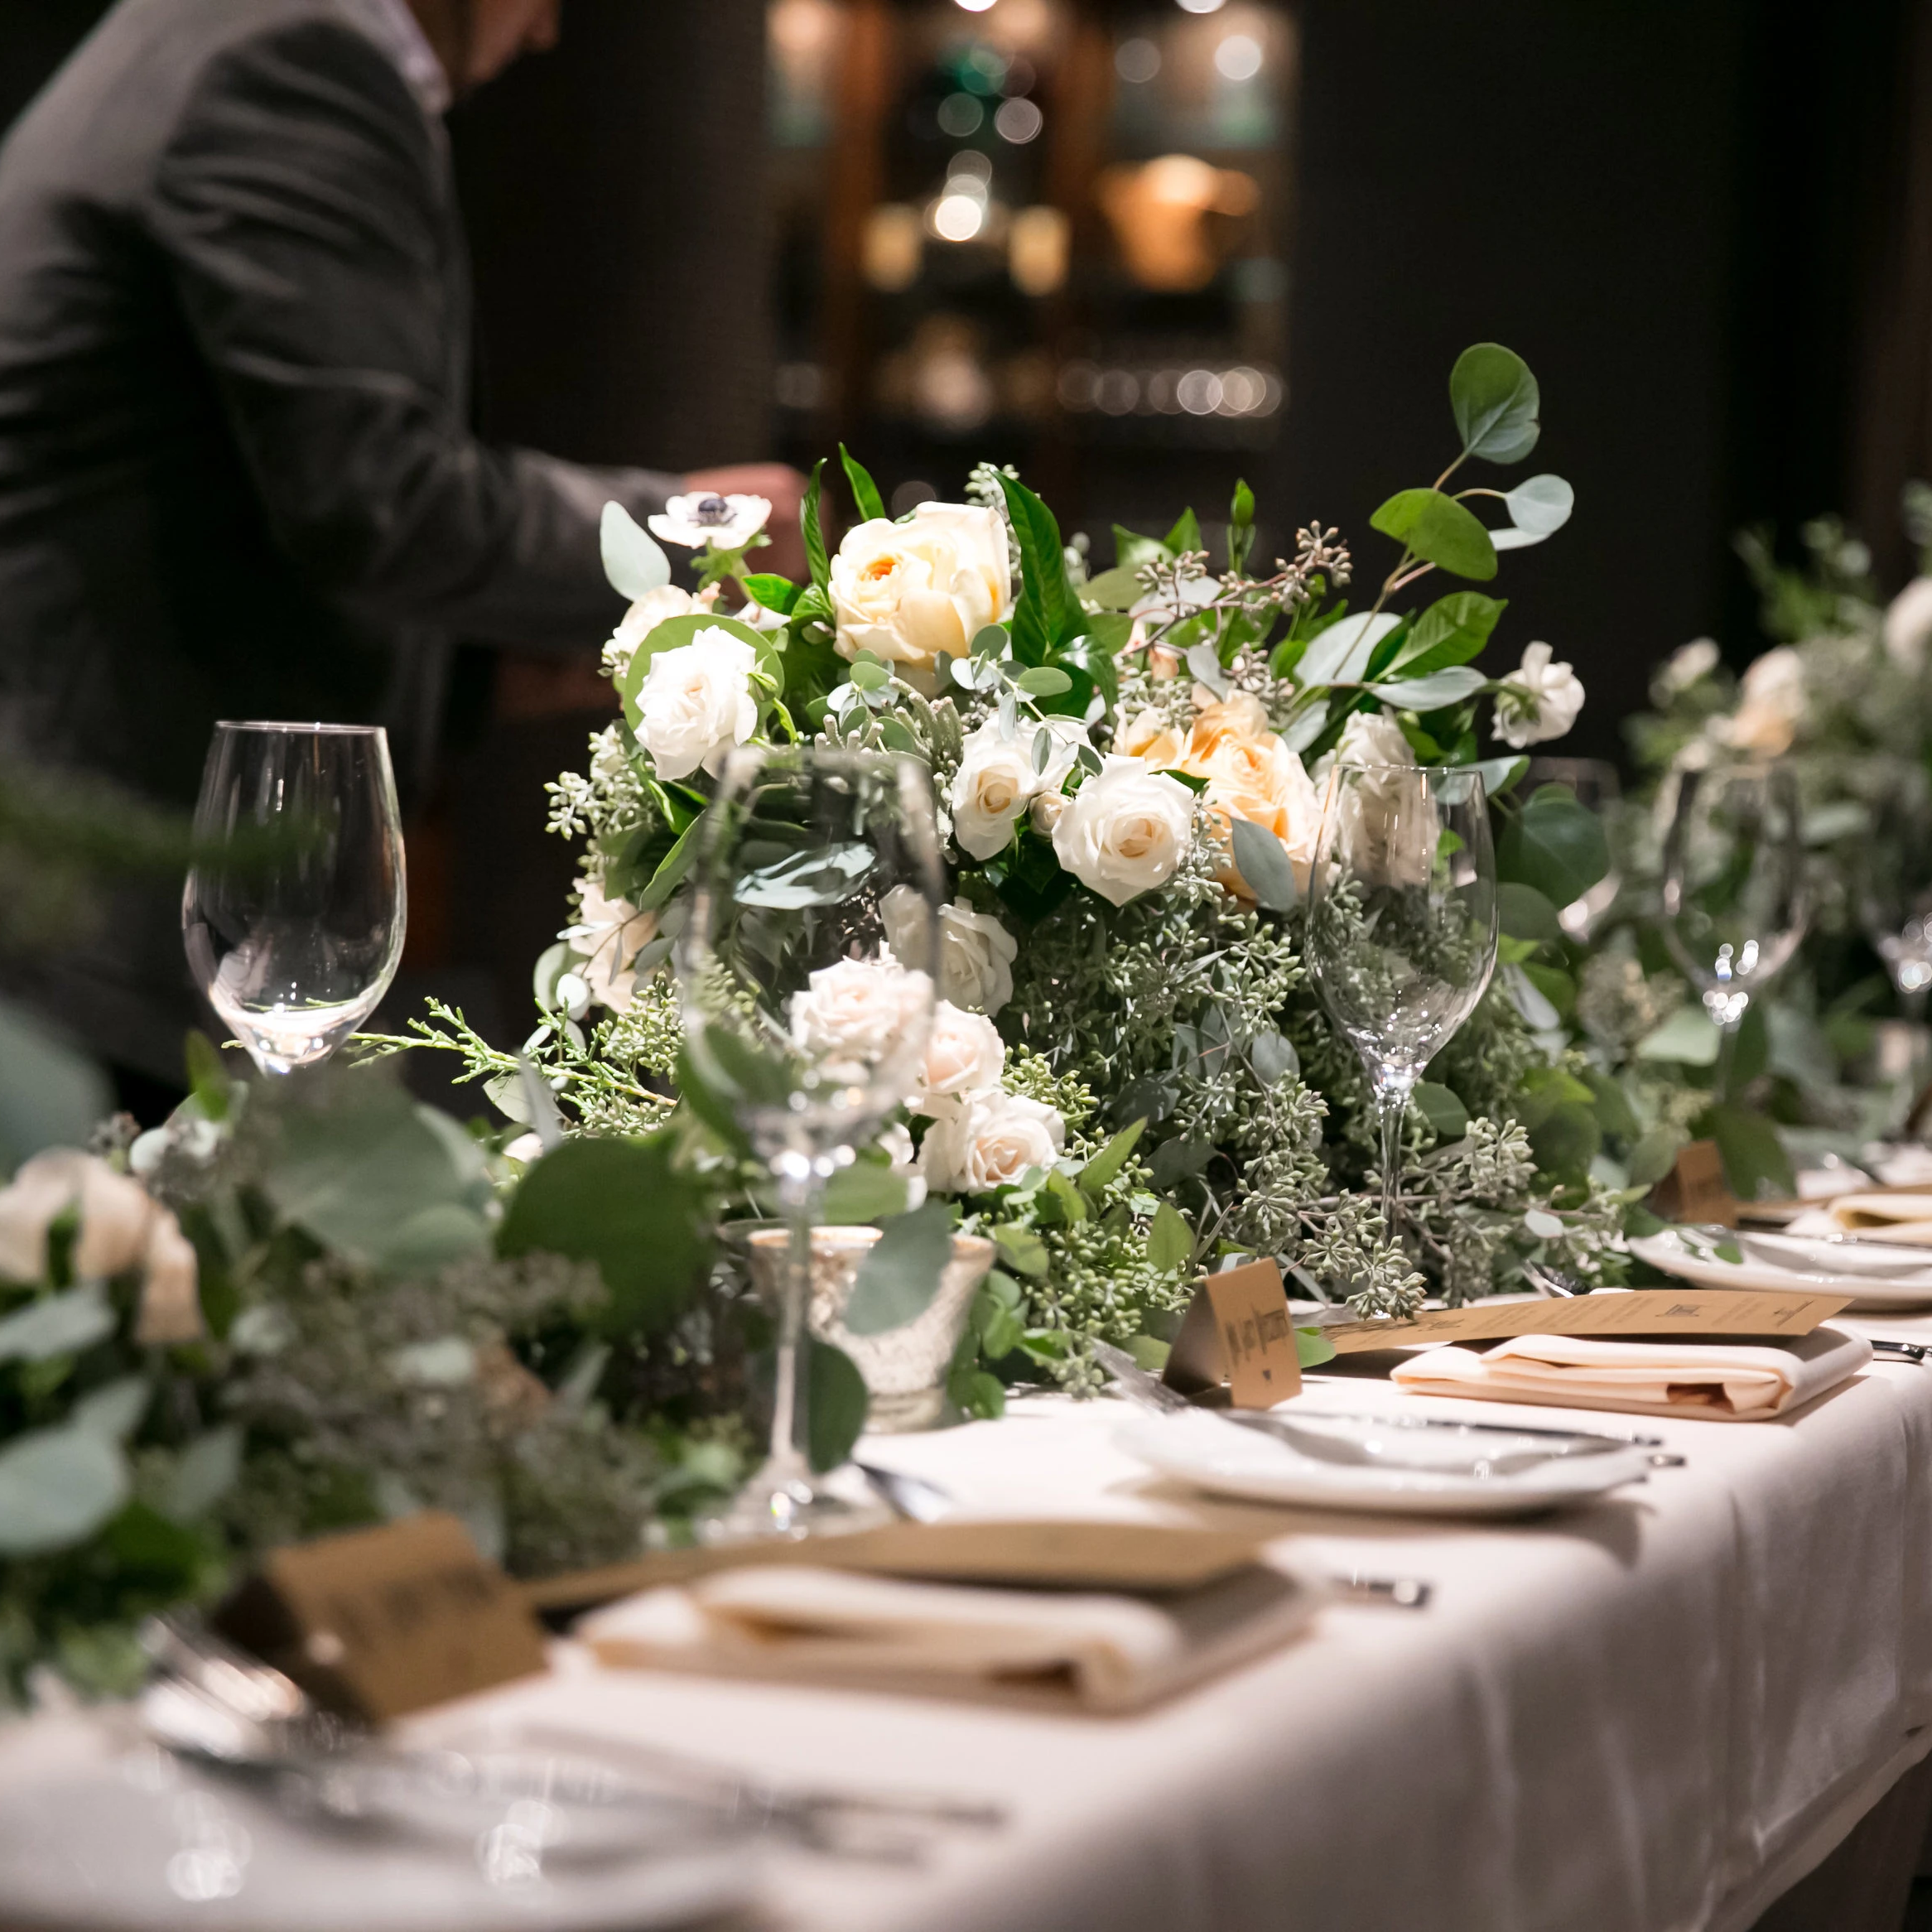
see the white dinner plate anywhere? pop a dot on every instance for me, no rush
(1691, 1259)
(1228, 1459)
(144, 1844)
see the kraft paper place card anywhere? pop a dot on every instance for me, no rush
(1642, 1311)
(1238, 1331)
(388, 1621)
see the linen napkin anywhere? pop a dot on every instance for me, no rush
(1711, 1381)
(1904, 1218)
(800, 1623)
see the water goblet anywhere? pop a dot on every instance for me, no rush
(1595, 785)
(294, 911)
(1735, 899)
(802, 1017)
(1894, 893)
(1401, 935)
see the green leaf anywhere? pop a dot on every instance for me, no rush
(836, 1403)
(1524, 913)
(1131, 549)
(1653, 1156)
(1044, 681)
(1438, 529)
(1107, 1163)
(1614, 1112)
(901, 1272)
(864, 491)
(208, 1079)
(1273, 1056)
(1433, 692)
(1756, 1163)
(59, 1324)
(1540, 504)
(1554, 844)
(1495, 400)
(813, 531)
(1262, 860)
(1170, 1241)
(1566, 1141)
(56, 1487)
(868, 1190)
(1023, 1249)
(624, 1205)
(1118, 589)
(670, 869)
(1500, 776)
(1186, 534)
(1311, 1348)
(1444, 1110)
(975, 1394)
(1240, 526)
(1452, 631)
(774, 593)
(870, 676)
(1688, 1037)
(1047, 613)
(210, 1468)
(1341, 653)
(632, 560)
(114, 1411)
(1554, 984)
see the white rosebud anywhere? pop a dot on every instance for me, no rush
(705, 518)
(1770, 704)
(986, 1140)
(975, 952)
(993, 786)
(1908, 624)
(907, 591)
(696, 703)
(1689, 664)
(964, 1054)
(1537, 701)
(861, 1010)
(644, 617)
(1126, 830)
(1044, 812)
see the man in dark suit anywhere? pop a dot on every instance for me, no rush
(236, 475)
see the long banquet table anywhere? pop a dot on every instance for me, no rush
(1651, 1714)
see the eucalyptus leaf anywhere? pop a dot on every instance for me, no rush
(868, 1190)
(1119, 589)
(632, 560)
(1495, 401)
(1509, 538)
(1555, 845)
(1170, 1241)
(1443, 1109)
(209, 1468)
(1540, 504)
(1524, 913)
(114, 1410)
(1044, 681)
(1452, 631)
(59, 1324)
(1305, 727)
(58, 1486)
(1688, 1037)
(1205, 665)
(1273, 1056)
(822, 876)
(1528, 1000)
(1432, 692)
(1340, 655)
(902, 1270)
(1107, 1163)
(1262, 860)
(1438, 529)
(1500, 776)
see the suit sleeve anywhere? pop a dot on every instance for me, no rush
(301, 206)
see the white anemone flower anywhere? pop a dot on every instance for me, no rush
(728, 522)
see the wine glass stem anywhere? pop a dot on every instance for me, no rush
(802, 1196)
(1392, 1104)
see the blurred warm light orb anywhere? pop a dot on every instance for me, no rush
(980, 6)
(1201, 6)
(1239, 57)
(1036, 250)
(1137, 60)
(958, 217)
(1018, 121)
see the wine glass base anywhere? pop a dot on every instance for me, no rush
(788, 1504)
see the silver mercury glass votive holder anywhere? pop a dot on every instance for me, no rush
(904, 1367)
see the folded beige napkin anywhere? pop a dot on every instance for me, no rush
(1713, 1381)
(1905, 1218)
(1102, 1652)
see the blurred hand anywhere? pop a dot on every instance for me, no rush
(784, 488)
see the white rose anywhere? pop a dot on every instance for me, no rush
(640, 620)
(609, 933)
(907, 591)
(1125, 830)
(1689, 664)
(1380, 833)
(696, 702)
(986, 1140)
(1538, 699)
(964, 1054)
(994, 785)
(704, 518)
(1908, 624)
(861, 1009)
(1770, 703)
(975, 952)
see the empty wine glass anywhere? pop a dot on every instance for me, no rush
(1894, 893)
(1596, 789)
(294, 913)
(1735, 900)
(1402, 925)
(807, 1020)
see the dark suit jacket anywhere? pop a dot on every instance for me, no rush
(236, 473)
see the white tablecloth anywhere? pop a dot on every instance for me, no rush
(1650, 1715)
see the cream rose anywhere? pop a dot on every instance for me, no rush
(644, 617)
(1770, 703)
(1538, 701)
(993, 786)
(986, 1140)
(907, 591)
(696, 703)
(964, 1054)
(1380, 832)
(1125, 830)
(609, 933)
(975, 952)
(1908, 624)
(861, 1009)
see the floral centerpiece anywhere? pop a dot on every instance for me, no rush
(1130, 1075)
